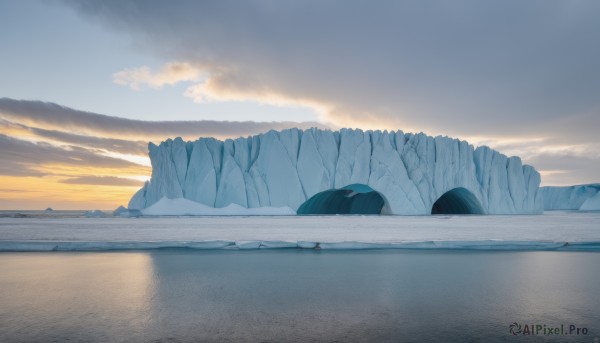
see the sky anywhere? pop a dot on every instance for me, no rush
(85, 85)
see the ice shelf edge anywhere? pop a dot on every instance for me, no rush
(41, 246)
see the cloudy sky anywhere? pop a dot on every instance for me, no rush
(84, 85)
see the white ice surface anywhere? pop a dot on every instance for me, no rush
(333, 232)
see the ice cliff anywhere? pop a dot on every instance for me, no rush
(411, 172)
(581, 197)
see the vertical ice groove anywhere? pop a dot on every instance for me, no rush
(300, 134)
(189, 147)
(410, 159)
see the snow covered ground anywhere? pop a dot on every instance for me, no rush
(185, 207)
(553, 230)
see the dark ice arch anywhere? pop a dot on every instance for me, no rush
(457, 201)
(352, 199)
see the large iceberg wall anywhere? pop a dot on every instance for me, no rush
(571, 197)
(285, 168)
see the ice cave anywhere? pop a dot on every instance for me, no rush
(352, 199)
(348, 171)
(457, 201)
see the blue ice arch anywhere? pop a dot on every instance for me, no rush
(457, 201)
(352, 199)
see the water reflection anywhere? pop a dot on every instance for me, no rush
(294, 295)
(85, 296)
(297, 295)
(554, 286)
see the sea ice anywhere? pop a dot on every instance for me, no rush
(554, 230)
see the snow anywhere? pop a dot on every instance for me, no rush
(286, 168)
(510, 232)
(185, 207)
(571, 197)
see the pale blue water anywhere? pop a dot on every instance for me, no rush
(296, 295)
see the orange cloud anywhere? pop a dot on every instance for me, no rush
(171, 74)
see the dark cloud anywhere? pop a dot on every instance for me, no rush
(16, 190)
(50, 115)
(108, 144)
(85, 135)
(462, 67)
(102, 180)
(558, 161)
(24, 158)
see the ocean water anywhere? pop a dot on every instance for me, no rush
(296, 295)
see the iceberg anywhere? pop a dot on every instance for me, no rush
(325, 172)
(591, 204)
(119, 210)
(580, 197)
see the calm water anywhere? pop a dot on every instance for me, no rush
(296, 295)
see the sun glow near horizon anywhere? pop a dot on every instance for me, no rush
(39, 193)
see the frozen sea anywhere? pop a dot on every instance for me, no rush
(68, 231)
(219, 279)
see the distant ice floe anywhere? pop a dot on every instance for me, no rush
(94, 214)
(591, 204)
(581, 197)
